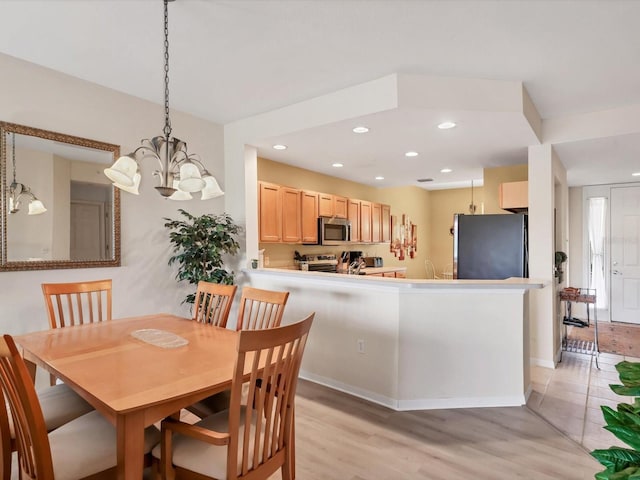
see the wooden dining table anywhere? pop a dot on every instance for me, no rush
(134, 383)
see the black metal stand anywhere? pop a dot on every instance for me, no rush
(588, 297)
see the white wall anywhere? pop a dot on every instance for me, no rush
(42, 98)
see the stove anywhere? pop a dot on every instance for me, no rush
(318, 262)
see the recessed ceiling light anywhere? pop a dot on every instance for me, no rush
(361, 129)
(411, 154)
(446, 170)
(337, 165)
(279, 147)
(636, 174)
(446, 125)
(379, 177)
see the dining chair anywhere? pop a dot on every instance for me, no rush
(213, 303)
(82, 448)
(253, 438)
(76, 303)
(447, 273)
(430, 270)
(259, 309)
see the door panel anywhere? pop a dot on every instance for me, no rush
(625, 254)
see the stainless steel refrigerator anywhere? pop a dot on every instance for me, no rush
(492, 247)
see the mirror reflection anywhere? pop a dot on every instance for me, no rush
(58, 209)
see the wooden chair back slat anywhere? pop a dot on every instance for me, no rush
(260, 309)
(213, 303)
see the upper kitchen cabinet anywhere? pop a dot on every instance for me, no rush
(332, 205)
(279, 212)
(380, 223)
(309, 216)
(353, 215)
(365, 222)
(385, 227)
(376, 218)
(514, 196)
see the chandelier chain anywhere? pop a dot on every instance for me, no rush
(167, 120)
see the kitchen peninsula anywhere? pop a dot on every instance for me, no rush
(412, 344)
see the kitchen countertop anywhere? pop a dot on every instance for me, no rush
(403, 283)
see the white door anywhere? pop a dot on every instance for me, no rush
(87, 231)
(625, 254)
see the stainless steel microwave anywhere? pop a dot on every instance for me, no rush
(333, 231)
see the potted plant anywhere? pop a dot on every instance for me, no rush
(560, 258)
(624, 423)
(199, 243)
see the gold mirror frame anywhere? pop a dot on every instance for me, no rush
(5, 265)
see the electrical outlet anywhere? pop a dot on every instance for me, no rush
(266, 261)
(360, 346)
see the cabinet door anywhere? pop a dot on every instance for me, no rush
(353, 214)
(340, 206)
(514, 195)
(376, 215)
(291, 214)
(325, 205)
(270, 213)
(365, 222)
(309, 217)
(385, 227)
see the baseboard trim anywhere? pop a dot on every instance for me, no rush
(422, 403)
(538, 362)
(350, 389)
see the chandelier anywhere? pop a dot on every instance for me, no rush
(179, 172)
(19, 191)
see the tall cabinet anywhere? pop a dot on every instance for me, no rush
(279, 213)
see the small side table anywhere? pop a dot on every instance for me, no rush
(588, 297)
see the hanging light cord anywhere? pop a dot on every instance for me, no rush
(167, 120)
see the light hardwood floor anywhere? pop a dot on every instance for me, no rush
(341, 437)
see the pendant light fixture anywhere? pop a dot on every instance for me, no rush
(472, 206)
(179, 172)
(18, 191)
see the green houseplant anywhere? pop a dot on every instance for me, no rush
(624, 422)
(199, 243)
(559, 259)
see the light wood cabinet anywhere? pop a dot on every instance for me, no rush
(365, 222)
(279, 213)
(325, 205)
(309, 217)
(514, 196)
(269, 212)
(385, 227)
(291, 215)
(340, 206)
(376, 218)
(353, 215)
(332, 205)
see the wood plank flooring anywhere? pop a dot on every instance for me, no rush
(343, 437)
(613, 337)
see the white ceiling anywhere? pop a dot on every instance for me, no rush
(237, 58)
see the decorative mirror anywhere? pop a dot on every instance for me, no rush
(58, 208)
